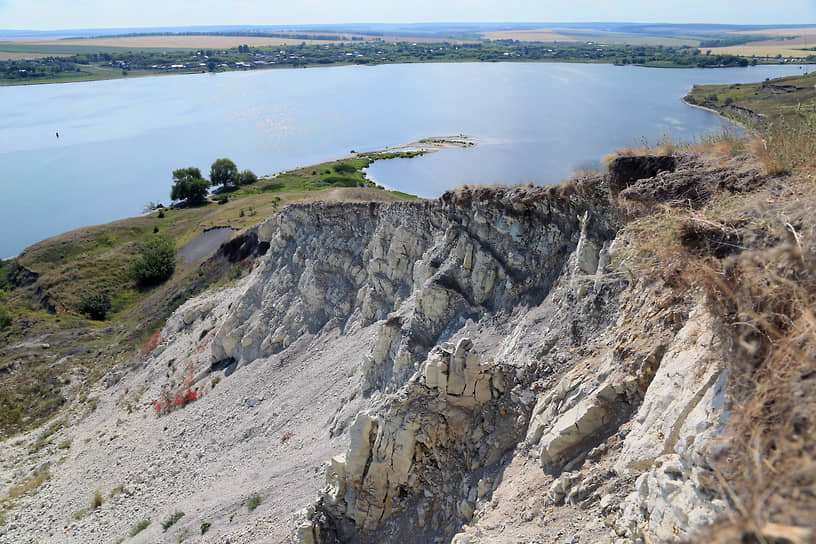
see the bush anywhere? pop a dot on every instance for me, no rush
(5, 317)
(728, 101)
(156, 263)
(170, 399)
(247, 177)
(712, 97)
(341, 181)
(94, 305)
(5, 268)
(345, 168)
(205, 527)
(169, 522)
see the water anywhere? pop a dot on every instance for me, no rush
(120, 140)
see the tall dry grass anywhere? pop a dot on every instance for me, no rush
(766, 466)
(753, 256)
(788, 143)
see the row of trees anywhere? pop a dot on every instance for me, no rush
(189, 185)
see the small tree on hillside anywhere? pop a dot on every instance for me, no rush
(189, 185)
(247, 177)
(224, 172)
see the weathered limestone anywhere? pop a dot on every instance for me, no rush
(440, 415)
(685, 375)
(430, 263)
(384, 457)
(577, 410)
(682, 414)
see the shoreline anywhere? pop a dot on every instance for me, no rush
(115, 77)
(718, 113)
(427, 145)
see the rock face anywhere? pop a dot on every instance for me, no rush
(423, 267)
(467, 370)
(498, 342)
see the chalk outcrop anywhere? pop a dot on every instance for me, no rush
(465, 370)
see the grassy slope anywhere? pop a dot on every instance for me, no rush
(782, 112)
(97, 259)
(785, 96)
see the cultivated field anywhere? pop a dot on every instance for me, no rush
(575, 35)
(793, 43)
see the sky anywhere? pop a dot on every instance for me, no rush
(68, 14)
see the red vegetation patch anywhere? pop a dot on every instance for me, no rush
(151, 344)
(172, 397)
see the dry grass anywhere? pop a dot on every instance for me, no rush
(788, 143)
(795, 39)
(754, 257)
(27, 486)
(765, 465)
(801, 31)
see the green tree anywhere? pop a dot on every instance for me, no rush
(156, 263)
(189, 185)
(224, 172)
(247, 177)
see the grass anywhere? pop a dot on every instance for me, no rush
(780, 112)
(27, 486)
(139, 527)
(254, 502)
(46, 437)
(170, 521)
(97, 500)
(205, 527)
(771, 98)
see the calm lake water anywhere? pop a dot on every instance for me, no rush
(120, 140)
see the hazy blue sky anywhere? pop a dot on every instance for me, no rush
(61, 14)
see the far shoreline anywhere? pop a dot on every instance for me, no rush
(138, 75)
